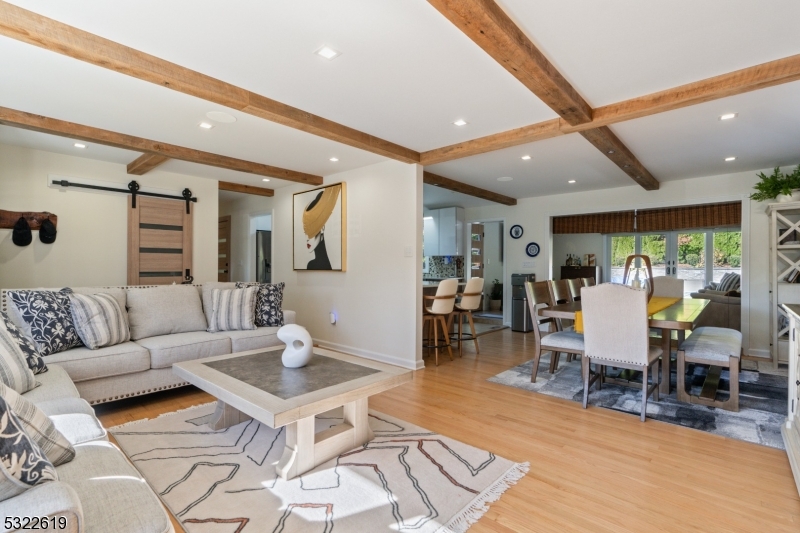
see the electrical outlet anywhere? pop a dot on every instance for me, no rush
(333, 318)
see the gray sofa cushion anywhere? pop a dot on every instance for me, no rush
(114, 496)
(241, 341)
(55, 385)
(66, 406)
(166, 350)
(206, 290)
(164, 310)
(79, 428)
(83, 364)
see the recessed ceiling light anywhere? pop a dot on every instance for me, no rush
(219, 116)
(460, 122)
(265, 179)
(79, 145)
(728, 116)
(505, 178)
(610, 152)
(334, 159)
(571, 181)
(206, 125)
(328, 53)
(525, 157)
(730, 159)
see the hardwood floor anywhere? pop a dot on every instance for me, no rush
(591, 470)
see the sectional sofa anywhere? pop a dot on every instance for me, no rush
(99, 491)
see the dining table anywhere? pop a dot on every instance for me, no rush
(682, 316)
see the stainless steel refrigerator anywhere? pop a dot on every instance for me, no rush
(520, 313)
(263, 256)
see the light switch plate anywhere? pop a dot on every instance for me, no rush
(529, 264)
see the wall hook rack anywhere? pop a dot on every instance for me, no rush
(35, 219)
(133, 190)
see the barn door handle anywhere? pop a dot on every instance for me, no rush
(188, 279)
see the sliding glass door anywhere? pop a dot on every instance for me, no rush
(697, 257)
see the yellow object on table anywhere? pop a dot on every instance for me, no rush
(656, 304)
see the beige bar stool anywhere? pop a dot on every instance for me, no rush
(470, 301)
(442, 306)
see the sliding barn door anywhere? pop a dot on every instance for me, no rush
(224, 249)
(159, 241)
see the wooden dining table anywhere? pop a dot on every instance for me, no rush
(681, 316)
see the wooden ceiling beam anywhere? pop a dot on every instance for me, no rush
(456, 186)
(609, 144)
(245, 189)
(749, 79)
(489, 27)
(32, 28)
(29, 121)
(145, 163)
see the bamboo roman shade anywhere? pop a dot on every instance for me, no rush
(615, 222)
(689, 217)
(721, 215)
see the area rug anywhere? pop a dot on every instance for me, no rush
(406, 479)
(762, 399)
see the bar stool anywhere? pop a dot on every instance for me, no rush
(470, 301)
(442, 306)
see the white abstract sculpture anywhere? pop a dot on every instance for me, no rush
(299, 347)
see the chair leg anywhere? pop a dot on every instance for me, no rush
(733, 372)
(446, 336)
(655, 380)
(537, 354)
(683, 396)
(436, 340)
(474, 334)
(585, 372)
(554, 356)
(644, 393)
(601, 371)
(460, 333)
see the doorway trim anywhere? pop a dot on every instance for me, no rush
(250, 271)
(506, 280)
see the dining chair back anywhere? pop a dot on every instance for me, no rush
(445, 298)
(575, 288)
(667, 286)
(559, 291)
(442, 306)
(589, 282)
(615, 329)
(471, 297)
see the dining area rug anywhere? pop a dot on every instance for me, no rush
(406, 479)
(762, 399)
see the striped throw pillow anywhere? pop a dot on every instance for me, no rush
(14, 370)
(729, 282)
(39, 428)
(233, 309)
(99, 320)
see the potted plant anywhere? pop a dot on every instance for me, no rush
(777, 185)
(496, 296)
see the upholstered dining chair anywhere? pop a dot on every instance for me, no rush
(570, 342)
(615, 331)
(442, 305)
(470, 301)
(575, 288)
(667, 286)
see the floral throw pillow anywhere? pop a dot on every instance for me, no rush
(22, 463)
(32, 357)
(49, 316)
(269, 302)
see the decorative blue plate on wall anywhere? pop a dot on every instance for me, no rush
(516, 231)
(532, 249)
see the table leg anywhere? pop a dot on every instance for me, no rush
(305, 450)
(666, 348)
(226, 416)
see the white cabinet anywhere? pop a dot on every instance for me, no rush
(791, 428)
(443, 232)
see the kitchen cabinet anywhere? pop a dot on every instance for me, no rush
(443, 232)
(791, 427)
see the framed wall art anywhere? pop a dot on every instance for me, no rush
(320, 228)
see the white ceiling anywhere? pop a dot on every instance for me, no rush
(406, 73)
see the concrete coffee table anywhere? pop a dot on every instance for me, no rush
(255, 384)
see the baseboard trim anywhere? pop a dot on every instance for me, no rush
(760, 354)
(375, 356)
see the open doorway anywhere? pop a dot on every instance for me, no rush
(246, 251)
(488, 262)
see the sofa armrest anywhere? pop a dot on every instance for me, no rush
(53, 499)
(289, 317)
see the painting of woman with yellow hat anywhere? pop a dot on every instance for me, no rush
(319, 229)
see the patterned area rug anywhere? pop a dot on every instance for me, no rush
(762, 399)
(406, 479)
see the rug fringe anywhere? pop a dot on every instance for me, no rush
(464, 519)
(134, 422)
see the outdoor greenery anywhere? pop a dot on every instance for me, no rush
(776, 183)
(691, 253)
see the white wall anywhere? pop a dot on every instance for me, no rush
(378, 300)
(578, 244)
(534, 216)
(243, 244)
(91, 247)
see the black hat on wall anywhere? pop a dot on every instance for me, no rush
(47, 232)
(21, 236)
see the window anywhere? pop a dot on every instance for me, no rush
(686, 255)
